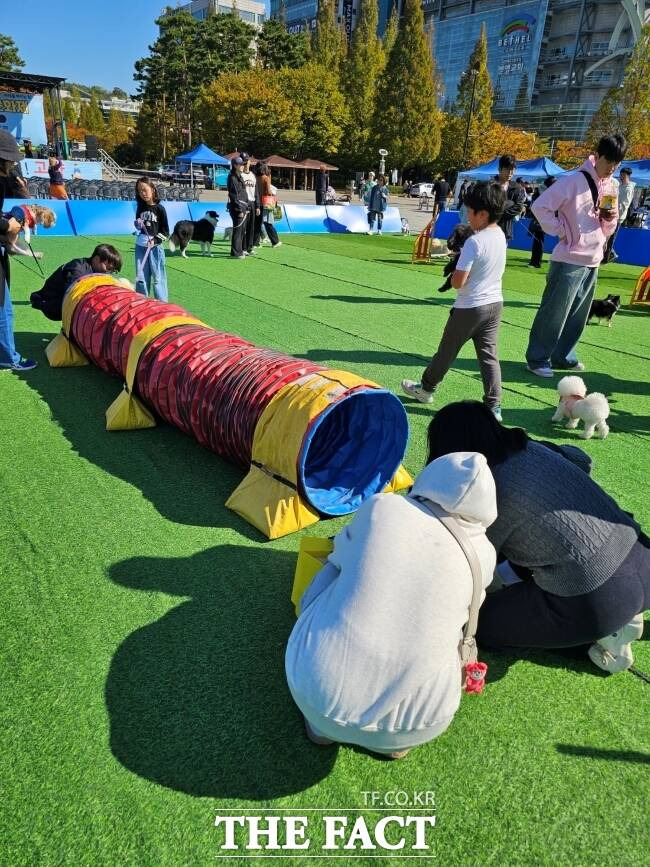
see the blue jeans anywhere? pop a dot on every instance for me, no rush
(562, 315)
(8, 354)
(152, 274)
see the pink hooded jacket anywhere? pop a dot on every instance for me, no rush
(566, 210)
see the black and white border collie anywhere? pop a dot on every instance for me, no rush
(201, 231)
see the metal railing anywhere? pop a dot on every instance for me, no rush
(110, 166)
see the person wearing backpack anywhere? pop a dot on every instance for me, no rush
(581, 210)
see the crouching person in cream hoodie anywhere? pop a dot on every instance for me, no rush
(373, 658)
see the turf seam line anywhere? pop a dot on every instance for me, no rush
(420, 358)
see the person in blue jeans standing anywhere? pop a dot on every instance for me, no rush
(10, 358)
(153, 229)
(581, 210)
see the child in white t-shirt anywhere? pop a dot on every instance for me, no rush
(476, 313)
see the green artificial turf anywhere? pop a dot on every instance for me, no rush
(144, 624)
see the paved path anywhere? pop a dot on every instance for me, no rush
(408, 208)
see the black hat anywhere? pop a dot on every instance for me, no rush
(238, 161)
(9, 147)
(244, 156)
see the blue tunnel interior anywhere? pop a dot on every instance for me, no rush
(352, 450)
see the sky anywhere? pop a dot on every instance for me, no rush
(91, 43)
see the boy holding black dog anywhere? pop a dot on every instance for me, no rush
(476, 313)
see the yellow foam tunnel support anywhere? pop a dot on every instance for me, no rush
(127, 412)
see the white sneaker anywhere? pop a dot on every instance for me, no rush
(379, 231)
(614, 652)
(545, 371)
(414, 389)
(369, 232)
(579, 366)
(279, 244)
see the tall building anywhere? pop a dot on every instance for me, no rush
(301, 14)
(551, 61)
(251, 11)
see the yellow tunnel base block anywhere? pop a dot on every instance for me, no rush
(312, 556)
(127, 413)
(400, 481)
(61, 352)
(274, 508)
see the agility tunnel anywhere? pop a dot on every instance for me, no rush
(316, 442)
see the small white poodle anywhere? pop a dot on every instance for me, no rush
(576, 405)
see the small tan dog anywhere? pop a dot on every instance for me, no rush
(576, 405)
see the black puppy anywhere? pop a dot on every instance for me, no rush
(604, 308)
(455, 243)
(202, 231)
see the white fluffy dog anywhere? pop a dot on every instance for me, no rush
(575, 404)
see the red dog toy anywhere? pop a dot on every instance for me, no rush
(475, 676)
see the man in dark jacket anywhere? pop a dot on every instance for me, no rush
(10, 359)
(321, 183)
(238, 208)
(104, 259)
(441, 190)
(515, 196)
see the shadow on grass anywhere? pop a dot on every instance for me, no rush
(608, 755)
(186, 483)
(198, 700)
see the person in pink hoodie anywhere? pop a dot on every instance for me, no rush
(581, 210)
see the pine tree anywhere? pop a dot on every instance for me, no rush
(328, 42)
(10, 59)
(365, 63)
(483, 93)
(407, 118)
(390, 34)
(276, 47)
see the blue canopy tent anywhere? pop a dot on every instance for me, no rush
(640, 171)
(529, 170)
(202, 155)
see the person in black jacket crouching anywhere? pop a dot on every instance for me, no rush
(104, 259)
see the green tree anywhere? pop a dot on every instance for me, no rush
(407, 119)
(71, 111)
(321, 120)
(365, 63)
(249, 110)
(474, 102)
(10, 59)
(276, 47)
(91, 117)
(482, 87)
(608, 118)
(119, 93)
(328, 42)
(224, 43)
(636, 97)
(390, 34)
(119, 128)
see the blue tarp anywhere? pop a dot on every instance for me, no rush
(203, 155)
(529, 170)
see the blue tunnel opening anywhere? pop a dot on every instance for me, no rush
(352, 450)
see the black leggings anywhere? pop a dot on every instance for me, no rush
(524, 615)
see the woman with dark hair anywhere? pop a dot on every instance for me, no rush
(267, 195)
(589, 561)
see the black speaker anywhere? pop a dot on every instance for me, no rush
(92, 147)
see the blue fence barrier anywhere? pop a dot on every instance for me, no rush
(108, 217)
(308, 219)
(176, 211)
(63, 223)
(632, 245)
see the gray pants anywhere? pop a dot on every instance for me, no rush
(481, 324)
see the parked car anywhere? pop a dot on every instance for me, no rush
(421, 189)
(180, 174)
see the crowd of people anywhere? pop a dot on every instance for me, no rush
(374, 657)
